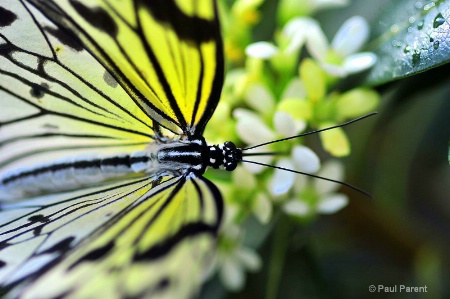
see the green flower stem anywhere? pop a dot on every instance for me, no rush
(280, 246)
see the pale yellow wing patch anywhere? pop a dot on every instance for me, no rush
(57, 100)
(167, 57)
(161, 248)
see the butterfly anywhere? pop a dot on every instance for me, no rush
(103, 107)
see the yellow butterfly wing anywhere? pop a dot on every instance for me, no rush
(102, 97)
(69, 87)
(166, 54)
(130, 239)
(58, 100)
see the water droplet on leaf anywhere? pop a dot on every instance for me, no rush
(438, 20)
(436, 45)
(429, 6)
(420, 25)
(394, 28)
(415, 58)
(397, 43)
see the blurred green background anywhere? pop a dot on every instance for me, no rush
(402, 235)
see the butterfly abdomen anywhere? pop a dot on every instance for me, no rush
(72, 173)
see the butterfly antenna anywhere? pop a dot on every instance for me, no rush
(311, 175)
(265, 154)
(312, 132)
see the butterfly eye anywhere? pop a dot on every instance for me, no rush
(228, 145)
(230, 166)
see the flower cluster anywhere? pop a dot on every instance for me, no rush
(270, 94)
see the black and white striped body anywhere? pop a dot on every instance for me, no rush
(192, 156)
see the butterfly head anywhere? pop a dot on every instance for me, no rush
(225, 156)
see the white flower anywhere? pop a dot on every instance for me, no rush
(339, 59)
(253, 130)
(263, 50)
(322, 4)
(298, 31)
(261, 206)
(288, 9)
(302, 159)
(318, 196)
(304, 30)
(351, 36)
(235, 264)
(233, 260)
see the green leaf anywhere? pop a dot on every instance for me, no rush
(413, 36)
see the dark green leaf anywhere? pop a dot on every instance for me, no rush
(413, 36)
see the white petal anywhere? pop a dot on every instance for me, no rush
(249, 258)
(334, 70)
(295, 89)
(253, 168)
(261, 50)
(332, 170)
(232, 230)
(295, 25)
(296, 208)
(262, 208)
(305, 159)
(296, 31)
(300, 125)
(321, 4)
(282, 180)
(240, 113)
(229, 216)
(358, 62)
(232, 275)
(317, 42)
(250, 128)
(297, 41)
(284, 124)
(351, 36)
(259, 98)
(332, 203)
